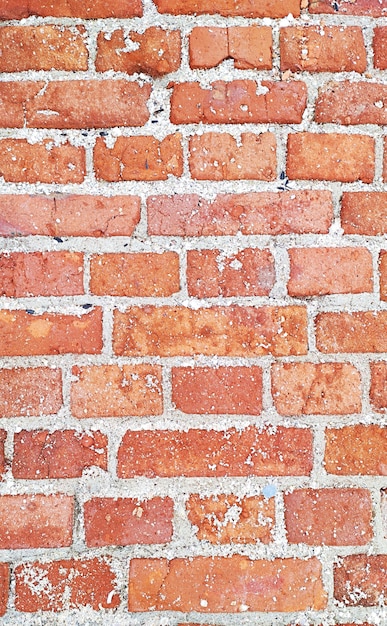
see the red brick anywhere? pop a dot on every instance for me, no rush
(356, 450)
(383, 274)
(312, 389)
(87, 9)
(250, 47)
(247, 585)
(67, 584)
(138, 274)
(322, 49)
(372, 8)
(334, 517)
(229, 8)
(35, 521)
(139, 158)
(352, 103)
(43, 47)
(361, 580)
(229, 519)
(364, 213)
(212, 273)
(364, 331)
(222, 331)
(68, 215)
(264, 213)
(41, 274)
(380, 47)
(321, 271)
(30, 391)
(60, 454)
(230, 390)
(238, 102)
(127, 521)
(217, 156)
(378, 391)
(4, 586)
(22, 334)
(114, 391)
(248, 452)
(155, 51)
(43, 162)
(345, 158)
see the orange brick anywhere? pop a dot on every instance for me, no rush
(4, 586)
(211, 273)
(361, 580)
(60, 454)
(139, 158)
(248, 452)
(238, 102)
(23, 162)
(352, 103)
(264, 213)
(126, 521)
(87, 9)
(312, 389)
(155, 51)
(35, 521)
(155, 584)
(229, 8)
(383, 274)
(372, 8)
(322, 49)
(69, 584)
(321, 271)
(334, 517)
(380, 47)
(222, 331)
(114, 391)
(249, 46)
(229, 519)
(30, 391)
(230, 390)
(364, 213)
(22, 334)
(378, 391)
(138, 274)
(345, 158)
(217, 156)
(364, 331)
(41, 274)
(356, 450)
(68, 215)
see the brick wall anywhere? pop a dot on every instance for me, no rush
(193, 312)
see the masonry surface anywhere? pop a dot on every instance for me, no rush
(193, 312)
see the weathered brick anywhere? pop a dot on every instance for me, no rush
(139, 158)
(222, 331)
(317, 156)
(30, 391)
(380, 47)
(4, 587)
(356, 450)
(60, 454)
(41, 274)
(225, 518)
(248, 452)
(68, 584)
(212, 273)
(154, 584)
(361, 580)
(312, 389)
(352, 103)
(363, 331)
(378, 391)
(35, 521)
(138, 274)
(229, 8)
(335, 517)
(23, 334)
(114, 391)
(372, 8)
(264, 213)
(364, 213)
(230, 390)
(87, 9)
(321, 271)
(127, 521)
(155, 51)
(217, 156)
(322, 49)
(383, 274)
(238, 102)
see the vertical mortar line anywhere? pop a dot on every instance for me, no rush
(166, 379)
(89, 154)
(375, 267)
(66, 385)
(183, 253)
(107, 328)
(281, 135)
(282, 268)
(318, 473)
(185, 139)
(91, 44)
(267, 400)
(86, 272)
(379, 151)
(276, 48)
(368, 40)
(362, 364)
(327, 559)
(377, 520)
(312, 310)
(279, 534)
